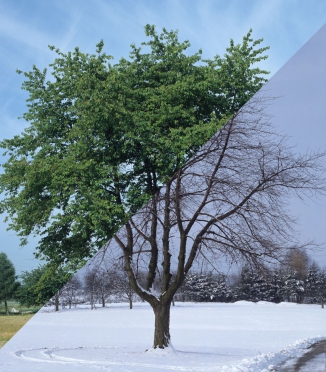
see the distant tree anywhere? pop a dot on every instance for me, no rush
(8, 283)
(249, 284)
(26, 295)
(207, 287)
(98, 285)
(197, 287)
(121, 286)
(312, 282)
(69, 291)
(90, 287)
(263, 285)
(51, 283)
(321, 286)
(41, 284)
(274, 287)
(104, 283)
(299, 261)
(294, 286)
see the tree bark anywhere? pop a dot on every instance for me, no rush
(162, 326)
(103, 301)
(130, 303)
(6, 307)
(322, 303)
(56, 303)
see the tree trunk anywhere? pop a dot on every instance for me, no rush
(322, 303)
(103, 301)
(162, 326)
(130, 303)
(56, 303)
(6, 307)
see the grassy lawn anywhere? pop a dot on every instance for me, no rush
(10, 324)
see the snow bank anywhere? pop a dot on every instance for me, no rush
(267, 362)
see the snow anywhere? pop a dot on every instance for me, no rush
(223, 337)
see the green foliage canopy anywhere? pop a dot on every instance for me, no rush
(40, 284)
(8, 283)
(103, 137)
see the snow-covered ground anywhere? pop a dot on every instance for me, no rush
(206, 337)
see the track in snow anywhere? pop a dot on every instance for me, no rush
(116, 359)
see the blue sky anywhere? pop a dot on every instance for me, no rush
(27, 27)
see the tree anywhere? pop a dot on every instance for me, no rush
(90, 288)
(26, 295)
(197, 287)
(228, 200)
(259, 284)
(311, 282)
(207, 288)
(275, 287)
(298, 261)
(104, 286)
(316, 284)
(8, 283)
(321, 285)
(103, 138)
(98, 285)
(249, 287)
(122, 287)
(41, 284)
(294, 287)
(69, 291)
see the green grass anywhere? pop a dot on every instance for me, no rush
(9, 325)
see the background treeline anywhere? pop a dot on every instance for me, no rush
(253, 285)
(298, 280)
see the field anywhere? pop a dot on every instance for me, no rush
(206, 337)
(11, 324)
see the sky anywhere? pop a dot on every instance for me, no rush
(27, 27)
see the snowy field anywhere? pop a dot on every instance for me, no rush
(206, 337)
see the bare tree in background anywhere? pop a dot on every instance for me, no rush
(104, 285)
(98, 285)
(298, 261)
(69, 291)
(121, 286)
(229, 200)
(90, 288)
(56, 298)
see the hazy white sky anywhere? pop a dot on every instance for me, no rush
(27, 27)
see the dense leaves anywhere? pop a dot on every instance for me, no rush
(40, 284)
(102, 138)
(8, 283)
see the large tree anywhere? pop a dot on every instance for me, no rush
(229, 200)
(8, 283)
(103, 138)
